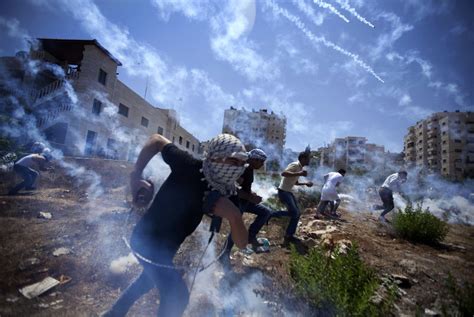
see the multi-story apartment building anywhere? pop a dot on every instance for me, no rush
(262, 129)
(352, 153)
(83, 108)
(442, 143)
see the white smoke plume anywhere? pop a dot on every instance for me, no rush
(316, 18)
(345, 5)
(330, 7)
(320, 39)
(123, 263)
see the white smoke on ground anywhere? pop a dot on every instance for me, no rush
(345, 5)
(320, 39)
(123, 264)
(213, 295)
(446, 200)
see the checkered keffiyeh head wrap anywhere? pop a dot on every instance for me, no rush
(257, 154)
(221, 176)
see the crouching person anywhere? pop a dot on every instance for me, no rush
(27, 168)
(195, 187)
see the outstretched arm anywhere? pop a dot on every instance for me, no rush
(153, 146)
(226, 209)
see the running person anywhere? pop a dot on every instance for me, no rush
(193, 188)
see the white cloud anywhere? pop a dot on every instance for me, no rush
(199, 10)
(229, 42)
(405, 100)
(386, 40)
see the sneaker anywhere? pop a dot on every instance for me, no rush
(255, 243)
(225, 261)
(383, 220)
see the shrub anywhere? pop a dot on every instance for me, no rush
(462, 296)
(418, 225)
(305, 199)
(340, 282)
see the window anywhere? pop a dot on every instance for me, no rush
(187, 144)
(90, 142)
(458, 151)
(123, 110)
(102, 77)
(180, 140)
(173, 139)
(457, 141)
(96, 107)
(193, 147)
(160, 130)
(144, 122)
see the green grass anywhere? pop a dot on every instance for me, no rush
(342, 282)
(419, 225)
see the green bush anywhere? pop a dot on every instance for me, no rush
(341, 282)
(462, 296)
(418, 225)
(305, 199)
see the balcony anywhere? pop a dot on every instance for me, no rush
(55, 86)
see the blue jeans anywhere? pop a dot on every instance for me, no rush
(29, 176)
(289, 200)
(174, 294)
(263, 214)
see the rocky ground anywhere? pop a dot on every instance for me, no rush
(83, 236)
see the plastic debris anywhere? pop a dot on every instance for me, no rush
(36, 289)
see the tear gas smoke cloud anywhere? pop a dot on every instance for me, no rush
(316, 18)
(330, 7)
(345, 5)
(320, 39)
(123, 263)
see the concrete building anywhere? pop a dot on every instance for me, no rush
(85, 110)
(442, 143)
(262, 129)
(351, 153)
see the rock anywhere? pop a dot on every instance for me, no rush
(450, 257)
(61, 251)
(12, 299)
(401, 280)
(344, 245)
(409, 266)
(45, 215)
(429, 312)
(28, 263)
(310, 242)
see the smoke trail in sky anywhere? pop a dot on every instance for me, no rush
(345, 5)
(331, 8)
(309, 11)
(320, 39)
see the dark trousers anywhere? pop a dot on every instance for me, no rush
(174, 294)
(323, 204)
(387, 199)
(289, 200)
(263, 214)
(29, 176)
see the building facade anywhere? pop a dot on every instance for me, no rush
(85, 110)
(351, 153)
(442, 143)
(262, 129)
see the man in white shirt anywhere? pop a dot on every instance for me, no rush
(289, 179)
(392, 183)
(27, 167)
(329, 193)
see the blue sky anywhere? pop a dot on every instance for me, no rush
(334, 68)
